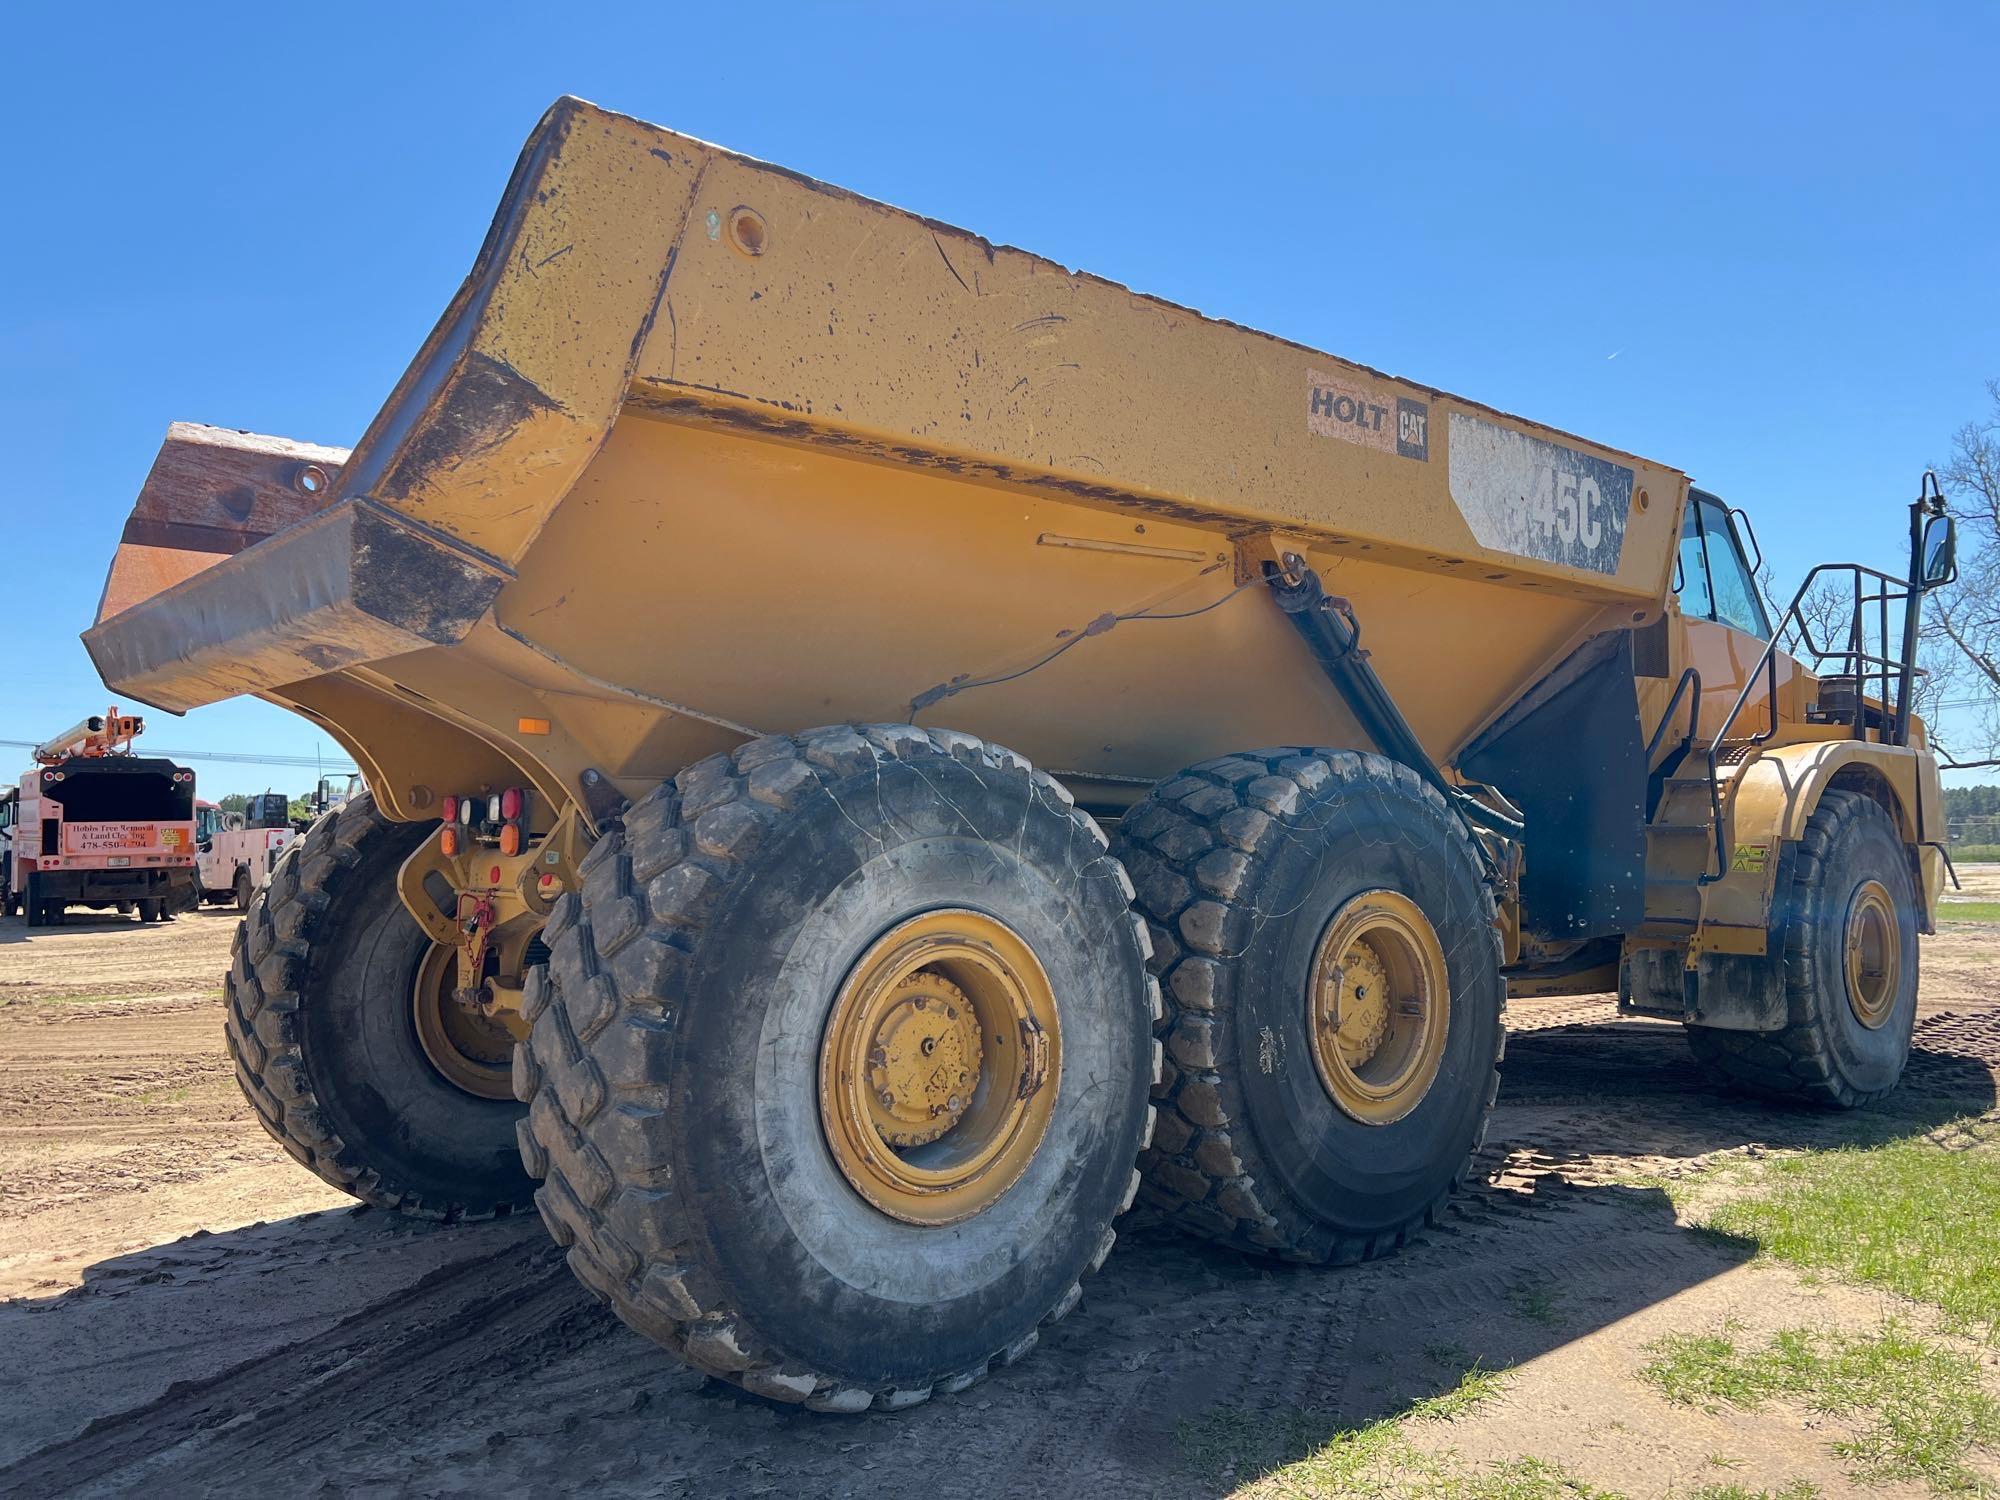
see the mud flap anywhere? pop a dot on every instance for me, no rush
(1725, 991)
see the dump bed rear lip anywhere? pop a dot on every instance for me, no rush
(352, 584)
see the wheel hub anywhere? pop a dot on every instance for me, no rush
(472, 1050)
(940, 1067)
(1361, 1004)
(1378, 1007)
(924, 1060)
(1873, 950)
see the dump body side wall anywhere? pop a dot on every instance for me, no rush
(614, 277)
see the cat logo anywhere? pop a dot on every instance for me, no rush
(1340, 408)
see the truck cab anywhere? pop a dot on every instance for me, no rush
(239, 851)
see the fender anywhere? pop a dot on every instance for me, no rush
(1774, 794)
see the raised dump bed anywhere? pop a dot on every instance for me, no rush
(677, 607)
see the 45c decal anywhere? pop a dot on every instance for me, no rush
(1538, 499)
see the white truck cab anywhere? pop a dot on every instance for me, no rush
(237, 851)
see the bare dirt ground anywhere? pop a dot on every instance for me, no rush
(190, 1312)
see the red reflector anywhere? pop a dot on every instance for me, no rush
(448, 843)
(547, 881)
(495, 878)
(450, 809)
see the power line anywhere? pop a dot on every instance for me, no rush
(336, 767)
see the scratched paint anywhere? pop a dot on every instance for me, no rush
(1538, 499)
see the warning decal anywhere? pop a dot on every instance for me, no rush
(1340, 408)
(1538, 499)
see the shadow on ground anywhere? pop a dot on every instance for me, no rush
(15, 929)
(353, 1351)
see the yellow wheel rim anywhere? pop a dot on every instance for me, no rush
(468, 1048)
(1874, 955)
(940, 1066)
(1378, 1007)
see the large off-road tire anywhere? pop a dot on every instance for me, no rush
(320, 1021)
(676, 1075)
(1247, 867)
(1848, 1033)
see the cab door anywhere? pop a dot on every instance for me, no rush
(1724, 620)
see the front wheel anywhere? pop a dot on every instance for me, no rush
(1326, 940)
(1850, 968)
(838, 1072)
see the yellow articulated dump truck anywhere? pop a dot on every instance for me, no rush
(881, 748)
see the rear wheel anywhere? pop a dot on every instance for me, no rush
(838, 1069)
(150, 910)
(325, 997)
(1850, 960)
(242, 891)
(33, 907)
(1326, 942)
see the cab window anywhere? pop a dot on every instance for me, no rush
(1715, 581)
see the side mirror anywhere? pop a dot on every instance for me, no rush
(1940, 552)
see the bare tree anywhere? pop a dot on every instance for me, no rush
(1962, 624)
(1959, 649)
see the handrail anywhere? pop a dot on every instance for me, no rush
(1862, 664)
(1694, 713)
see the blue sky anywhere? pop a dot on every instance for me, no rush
(1757, 243)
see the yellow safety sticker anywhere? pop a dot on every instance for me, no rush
(1750, 859)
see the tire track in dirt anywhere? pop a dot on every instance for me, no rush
(346, 1351)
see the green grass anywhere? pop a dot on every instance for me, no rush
(1301, 1455)
(1535, 1303)
(103, 999)
(1975, 854)
(76, 999)
(1968, 911)
(1912, 1215)
(1798, 1489)
(1917, 1407)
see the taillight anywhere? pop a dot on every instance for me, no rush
(465, 810)
(448, 842)
(510, 802)
(493, 808)
(451, 809)
(510, 838)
